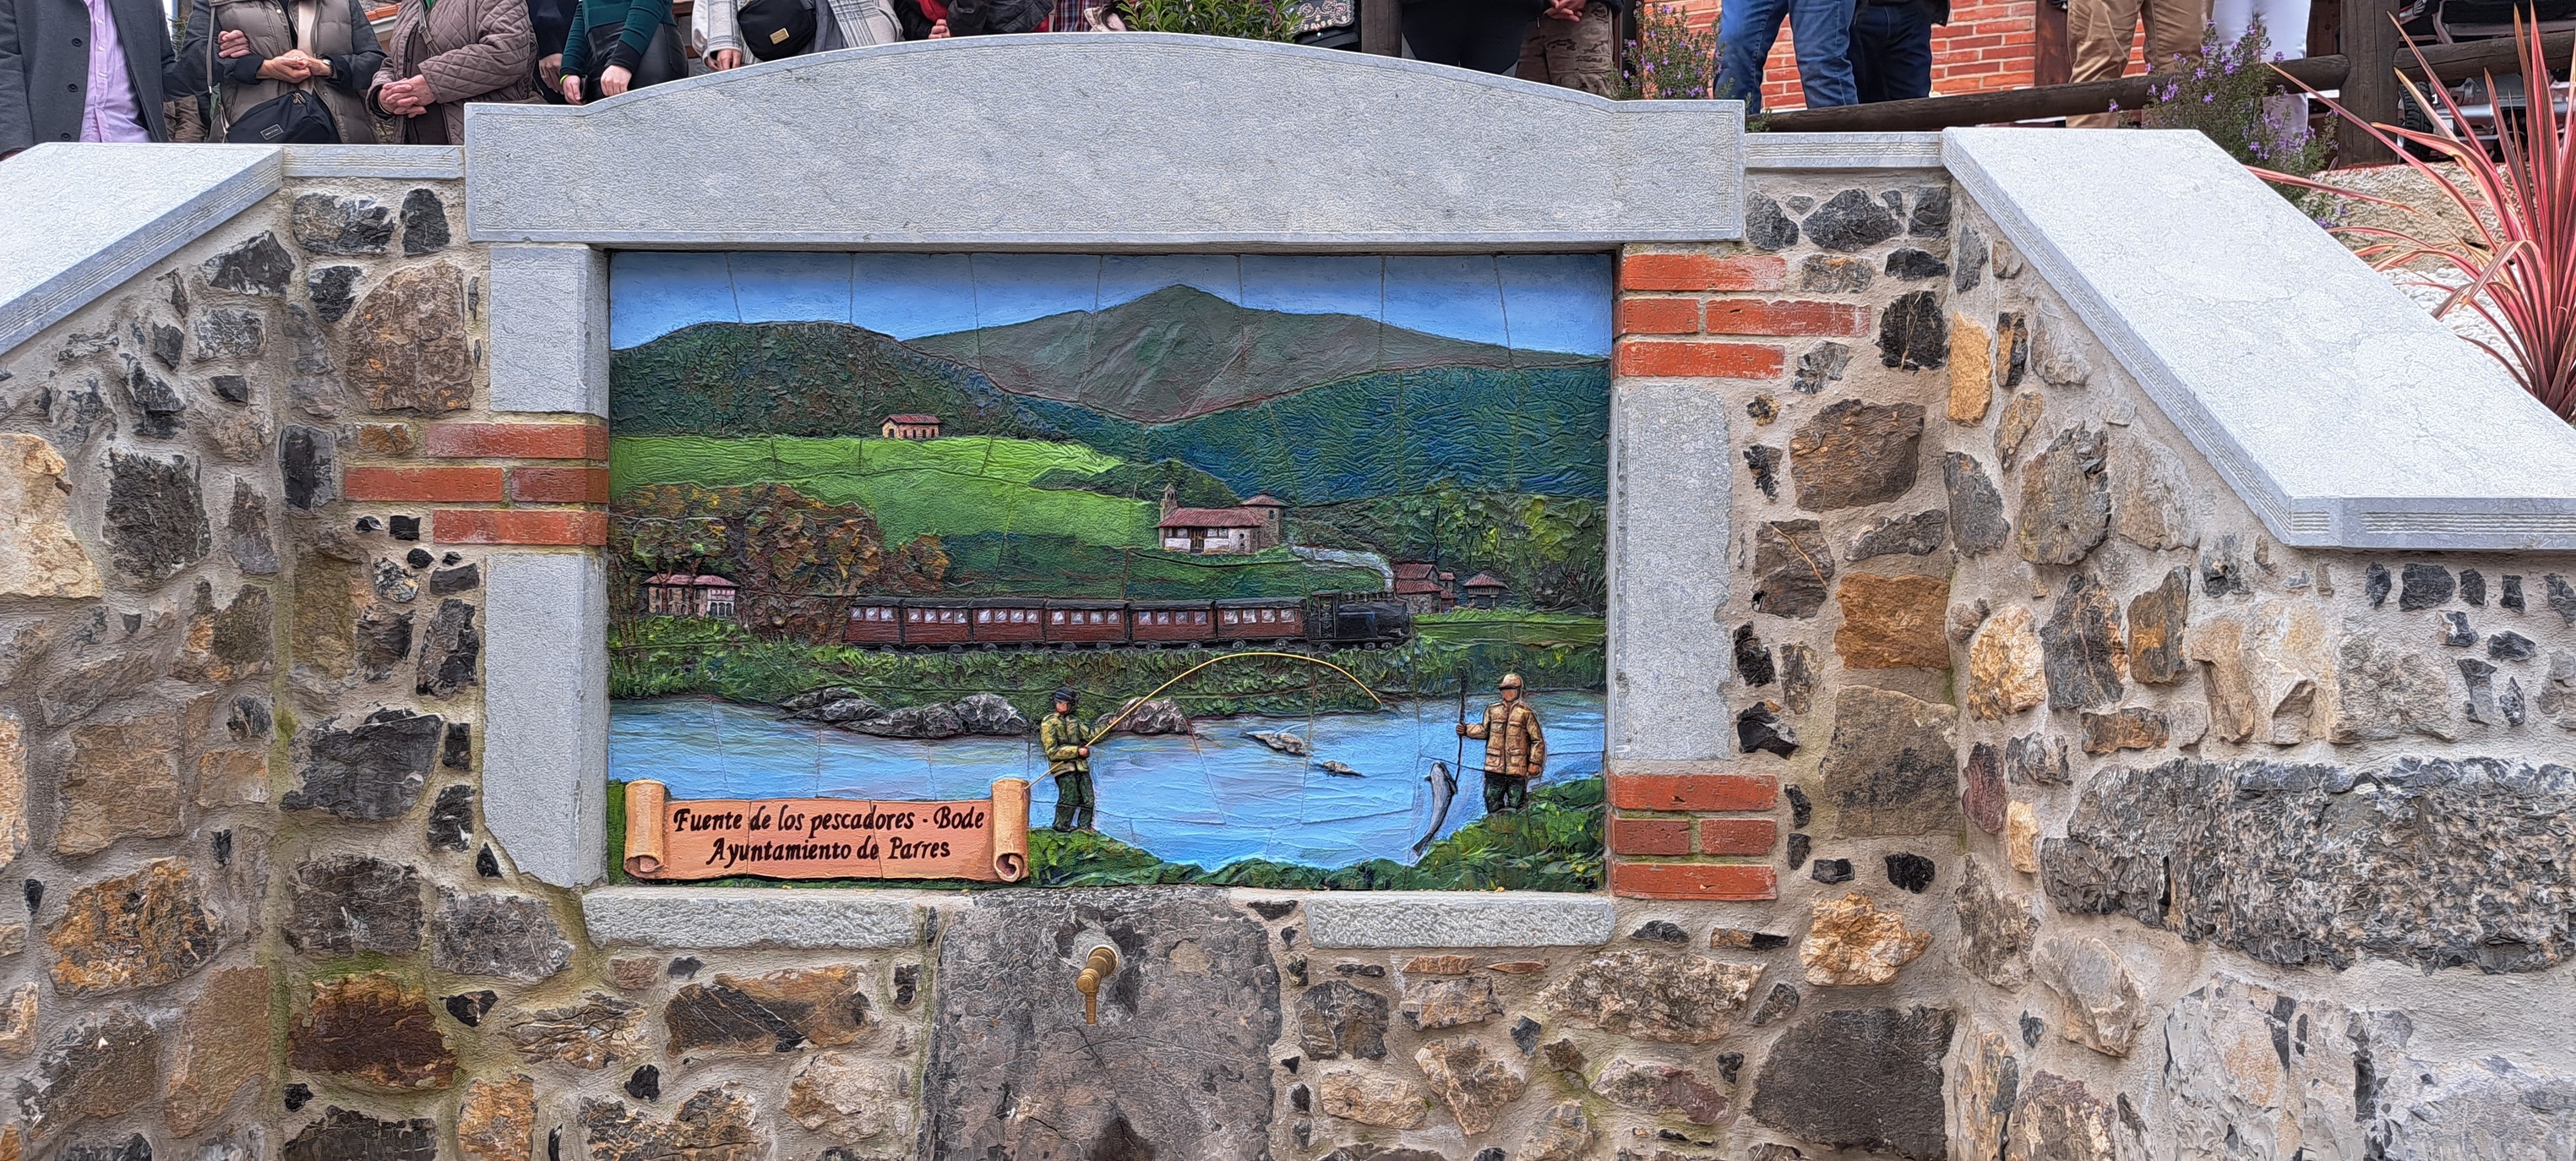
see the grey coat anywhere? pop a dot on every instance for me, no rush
(471, 50)
(342, 35)
(44, 67)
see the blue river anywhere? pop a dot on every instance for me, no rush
(1208, 799)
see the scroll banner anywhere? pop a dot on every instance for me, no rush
(827, 838)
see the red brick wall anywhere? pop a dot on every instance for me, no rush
(1986, 45)
(497, 497)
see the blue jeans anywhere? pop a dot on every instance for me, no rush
(1891, 53)
(1822, 30)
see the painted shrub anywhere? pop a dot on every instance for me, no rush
(870, 511)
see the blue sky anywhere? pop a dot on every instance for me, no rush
(1545, 302)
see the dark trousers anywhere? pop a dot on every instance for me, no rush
(1891, 52)
(1484, 35)
(1073, 802)
(1504, 792)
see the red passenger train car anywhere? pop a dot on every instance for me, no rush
(1328, 620)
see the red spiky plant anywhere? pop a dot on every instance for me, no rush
(2520, 257)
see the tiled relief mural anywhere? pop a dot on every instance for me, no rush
(1084, 570)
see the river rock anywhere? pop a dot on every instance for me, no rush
(1819, 366)
(155, 524)
(39, 554)
(1839, 274)
(1972, 371)
(987, 714)
(2006, 670)
(2296, 864)
(1765, 227)
(369, 772)
(1913, 333)
(1860, 1078)
(2153, 500)
(1977, 522)
(449, 651)
(346, 1135)
(1662, 1089)
(1561, 1134)
(138, 930)
(2066, 498)
(424, 222)
(328, 224)
(781, 1011)
(1891, 765)
(2383, 692)
(1920, 534)
(1854, 453)
(714, 1124)
(1792, 566)
(352, 904)
(406, 343)
(844, 710)
(222, 1049)
(372, 1029)
(1981, 788)
(1983, 1085)
(2156, 630)
(2249, 1072)
(2080, 646)
(2129, 728)
(1779, 1004)
(1893, 622)
(921, 721)
(481, 934)
(1851, 220)
(94, 1068)
(497, 1119)
(1995, 928)
(2102, 1008)
(122, 783)
(1431, 1004)
(598, 1031)
(801, 705)
(849, 1097)
(2055, 1119)
(1851, 942)
(1473, 1081)
(2021, 838)
(2265, 665)
(1159, 716)
(1672, 997)
(231, 333)
(1372, 1098)
(2036, 760)
(1337, 1018)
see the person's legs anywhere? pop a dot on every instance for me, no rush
(1498, 793)
(1821, 32)
(1745, 32)
(2174, 28)
(1869, 34)
(1076, 789)
(2098, 34)
(1573, 54)
(1064, 804)
(1535, 52)
(1893, 60)
(1435, 30)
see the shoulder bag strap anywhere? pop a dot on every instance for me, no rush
(217, 124)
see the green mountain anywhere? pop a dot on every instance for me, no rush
(807, 378)
(1182, 352)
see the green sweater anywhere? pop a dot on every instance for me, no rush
(640, 18)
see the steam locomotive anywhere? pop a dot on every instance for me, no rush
(1321, 621)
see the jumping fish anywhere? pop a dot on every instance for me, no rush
(1444, 787)
(1338, 769)
(1280, 740)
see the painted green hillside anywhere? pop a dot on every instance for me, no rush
(801, 378)
(1003, 531)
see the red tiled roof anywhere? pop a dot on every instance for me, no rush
(1213, 518)
(709, 580)
(1484, 580)
(1414, 570)
(914, 420)
(1405, 587)
(1264, 500)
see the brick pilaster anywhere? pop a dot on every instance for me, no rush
(477, 482)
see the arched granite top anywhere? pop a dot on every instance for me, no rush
(1105, 141)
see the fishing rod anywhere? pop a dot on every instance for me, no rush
(1112, 724)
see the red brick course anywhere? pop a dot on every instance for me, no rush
(1698, 359)
(1650, 836)
(544, 485)
(1753, 316)
(1742, 882)
(1702, 792)
(1713, 272)
(1737, 836)
(519, 526)
(518, 441)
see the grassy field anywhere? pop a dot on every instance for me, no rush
(1469, 628)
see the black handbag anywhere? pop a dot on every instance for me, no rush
(296, 117)
(775, 29)
(661, 60)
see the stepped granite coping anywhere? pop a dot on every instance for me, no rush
(2343, 414)
(1167, 142)
(1812, 151)
(1360, 919)
(84, 218)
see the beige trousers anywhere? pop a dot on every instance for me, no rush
(2098, 34)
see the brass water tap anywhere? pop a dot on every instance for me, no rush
(1102, 964)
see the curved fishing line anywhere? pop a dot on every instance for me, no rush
(1112, 724)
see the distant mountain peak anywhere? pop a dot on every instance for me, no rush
(1180, 351)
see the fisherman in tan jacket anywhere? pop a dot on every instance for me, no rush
(1515, 748)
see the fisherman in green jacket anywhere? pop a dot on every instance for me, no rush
(1068, 752)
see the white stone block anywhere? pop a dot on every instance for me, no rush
(2341, 412)
(1670, 487)
(1457, 919)
(549, 329)
(545, 713)
(686, 918)
(78, 221)
(1106, 141)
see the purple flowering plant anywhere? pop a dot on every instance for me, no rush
(1672, 59)
(2227, 96)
